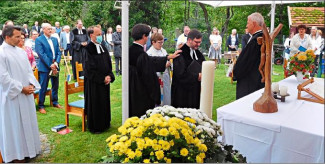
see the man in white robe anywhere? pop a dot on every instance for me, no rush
(19, 135)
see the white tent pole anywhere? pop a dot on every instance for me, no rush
(271, 30)
(125, 60)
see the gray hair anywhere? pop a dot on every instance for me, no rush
(44, 25)
(66, 27)
(257, 17)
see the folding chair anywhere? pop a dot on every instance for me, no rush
(47, 93)
(79, 69)
(76, 107)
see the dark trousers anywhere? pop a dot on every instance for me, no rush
(118, 65)
(68, 50)
(44, 81)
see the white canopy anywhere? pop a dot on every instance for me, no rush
(247, 3)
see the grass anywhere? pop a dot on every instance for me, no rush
(81, 147)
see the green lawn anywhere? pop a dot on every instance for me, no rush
(81, 147)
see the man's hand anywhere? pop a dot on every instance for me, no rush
(53, 66)
(28, 90)
(175, 55)
(168, 64)
(84, 43)
(107, 80)
(200, 76)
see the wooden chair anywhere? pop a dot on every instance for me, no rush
(77, 107)
(79, 69)
(47, 93)
(1, 160)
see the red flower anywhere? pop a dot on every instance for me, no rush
(291, 61)
(310, 71)
(304, 70)
(302, 65)
(296, 63)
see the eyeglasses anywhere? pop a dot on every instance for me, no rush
(159, 42)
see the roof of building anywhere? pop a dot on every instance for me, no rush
(309, 16)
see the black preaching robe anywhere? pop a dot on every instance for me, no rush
(185, 85)
(246, 68)
(144, 89)
(97, 94)
(78, 51)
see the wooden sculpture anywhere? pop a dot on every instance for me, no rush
(301, 88)
(266, 103)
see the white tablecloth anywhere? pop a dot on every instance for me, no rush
(294, 134)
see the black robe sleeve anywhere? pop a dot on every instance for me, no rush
(247, 60)
(148, 75)
(180, 71)
(159, 63)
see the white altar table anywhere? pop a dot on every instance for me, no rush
(294, 134)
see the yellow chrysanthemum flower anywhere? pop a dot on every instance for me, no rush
(168, 160)
(146, 161)
(159, 154)
(171, 143)
(126, 160)
(184, 152)
(203, 147)
(152, 153)
(191, 120)
(302, 57)
(202, 155)
(163, 132)
(199, 159)
(124, 138)
(138, 153)
(131, 154)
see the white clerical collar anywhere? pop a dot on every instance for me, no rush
(98, 48)
(192, 53)
(251, 36)
(138, 44)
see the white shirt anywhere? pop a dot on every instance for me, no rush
(215, 38)
(316, 43)
(67, 35)
(49, 40)
(99, 48)
(109, 38)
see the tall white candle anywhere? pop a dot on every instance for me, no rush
(283, 90)
(207, 84)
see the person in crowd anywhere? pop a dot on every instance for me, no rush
(164, 77)
(28, 51)
(55, 35)
(182, 39)
(98, 77)
(144, 90)
(65, 39)
(26, 30)
(319, 71)
(7, 23)
(36, 27)
(215, 48)
(186, 85)
(19, 129)
(287, 43)
(31, 43)
(246, 68)
(232, 41)
(79, 42)
(58, 29)
(109, 39)
(316, 42)
(160, 31)
(301, 41)
(117, 41)
(245, 39)
(148, 44)
(48, 50)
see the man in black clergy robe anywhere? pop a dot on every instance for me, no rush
(246, 68)
(245, 39)
(186, 84)
(98, 76)
(144, 89)
(79, 42)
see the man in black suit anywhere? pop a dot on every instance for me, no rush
(245, 39)
(26, 30)
(36, 27)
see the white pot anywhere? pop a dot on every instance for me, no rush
(300, 76)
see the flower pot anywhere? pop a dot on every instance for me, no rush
(300, 77)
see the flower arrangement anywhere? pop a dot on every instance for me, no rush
(302, 62)
(167, 134)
